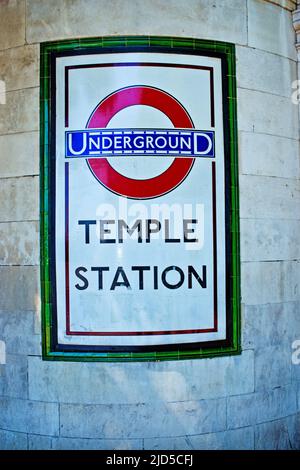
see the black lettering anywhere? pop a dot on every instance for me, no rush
(87, 224)
(150, 229)
(82, 278)
(167, 284)
(141, 270)
(104, 231)
(124, 282)
(122, 225)
(167, 234)
(100, 270)
(155, 276)
(192, 272)
(187, 230)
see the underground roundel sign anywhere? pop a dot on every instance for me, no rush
(139, 200)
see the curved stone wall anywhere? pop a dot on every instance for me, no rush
(242, 402)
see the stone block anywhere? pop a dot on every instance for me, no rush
(269, 240)
(29, 416)
(12, 440)
(268, 155)
(237, 439)
(256, 408)
(19, 67)
(297, 385)
(140, 382)
(273, 436)
(170, 443)
(19, 288)
(17, 330)
(270, 282)
(293, 426)
(273, 367)
(19, 154)
(63, 443)
(262, 71)
(19, 199)
(295, 356)
(12, 23)
(266, 113)
(262, 197)
(19, 243)
(20, 113)
(36, 442)
(270, 324)
(271, 28)
(223, 20)
(13, 377)
(143, 420)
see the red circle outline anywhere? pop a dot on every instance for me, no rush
(111, 178)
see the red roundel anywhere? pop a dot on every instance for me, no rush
(130, 187)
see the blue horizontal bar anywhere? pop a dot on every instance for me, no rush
(95, 143)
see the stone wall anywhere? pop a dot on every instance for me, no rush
(243, 402)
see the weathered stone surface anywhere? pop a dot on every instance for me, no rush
(170, 443)
(20, 113)
(140, 383)
(278, 435)
(12, 440)
(12, 23)
(19, 154)
(175, 405)
(270, 282)
(29, 416)
(225, 20)
(13, 377)
(17, 330)
(297, 385)
(262, 71)
(256, 408)
(19, 243)
(254, 114)
(19, 67)
(19, 287)
(237, 439)
(36, 442)
(295, 355)
(265, 22)
(269, 240)
(19, 199)
(143, 420)
(64, 443)
(271, 324)
(273, 367)
(293, 425)
(268, 155)
(287, 4)
(262, 197)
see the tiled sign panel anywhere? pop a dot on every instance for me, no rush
(140, 242)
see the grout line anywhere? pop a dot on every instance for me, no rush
(34, 175)
(26, 220)
(20, 132)
(255, 90)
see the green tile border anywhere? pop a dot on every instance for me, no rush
(130, 43)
